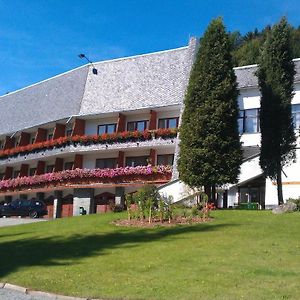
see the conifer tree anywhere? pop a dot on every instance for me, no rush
(276, 77)
(210, 150)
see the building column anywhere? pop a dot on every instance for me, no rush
(78, 161)
(57, 204)
(153, 120)
(59, 164)
(83, 198)
(9, 143)
(8, 173)
(152, 157)
(59, 131)
(119, 195)
(121, 125)
(24, 170)
(40, 169)
(121, 158)
(41, 135)
(24, 139)
(78, 127)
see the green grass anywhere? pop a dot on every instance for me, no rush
(240, 255)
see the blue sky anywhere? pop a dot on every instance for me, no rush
(42, 38)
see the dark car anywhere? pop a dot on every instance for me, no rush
(32, 208)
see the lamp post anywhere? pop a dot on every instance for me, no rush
(94, 70)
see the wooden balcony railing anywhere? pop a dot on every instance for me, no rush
(118, 137)
(139, 174)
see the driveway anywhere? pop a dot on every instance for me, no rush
(17, 221)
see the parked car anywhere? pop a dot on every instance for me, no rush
(32, 208)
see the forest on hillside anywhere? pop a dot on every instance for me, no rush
(245, 48)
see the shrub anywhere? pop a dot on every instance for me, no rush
(296, 201)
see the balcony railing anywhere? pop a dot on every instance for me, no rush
(118, 137)
(141, 174)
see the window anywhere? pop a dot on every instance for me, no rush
(50, 136)
(16, 174)
(49, 169)
(296, 115)
(137, 125)
(166, 160)
(248, 121)
(2, 176)
(137, 161)
(33, 140)
(69, 132)
(168, 123)
(106, 163)
(107, 128)
(69, 165)
(32, 171)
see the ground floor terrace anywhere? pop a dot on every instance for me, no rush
(68, 202)
(83, 191)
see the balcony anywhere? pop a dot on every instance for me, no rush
(88, 143)
(93, 178)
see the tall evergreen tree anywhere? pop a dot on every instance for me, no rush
(210, 150)
(276, 77)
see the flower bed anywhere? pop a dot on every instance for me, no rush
(79, 176)
(118, 137)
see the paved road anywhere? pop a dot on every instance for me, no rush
(6, 294)
(16, 221)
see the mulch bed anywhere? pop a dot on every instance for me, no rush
(158, 223)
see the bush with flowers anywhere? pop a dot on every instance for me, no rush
(78, 176)
(117, 137)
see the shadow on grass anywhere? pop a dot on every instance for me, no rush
(57, 250)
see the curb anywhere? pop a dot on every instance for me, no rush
(24, 290)
(13, 287)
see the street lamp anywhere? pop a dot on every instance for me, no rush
(94, 70)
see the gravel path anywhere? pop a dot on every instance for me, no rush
(17, 221)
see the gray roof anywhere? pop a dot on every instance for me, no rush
(143, 81)
(246, 75)
(151, 80)
(250, 151)
(47, 101)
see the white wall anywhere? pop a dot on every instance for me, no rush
(250, 139)
(290, 184)
(250, 169)
(249, 98)
(91, 125)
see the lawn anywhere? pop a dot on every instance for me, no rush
(239, 255)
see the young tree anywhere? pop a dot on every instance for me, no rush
(210, 150)
(276, 77)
